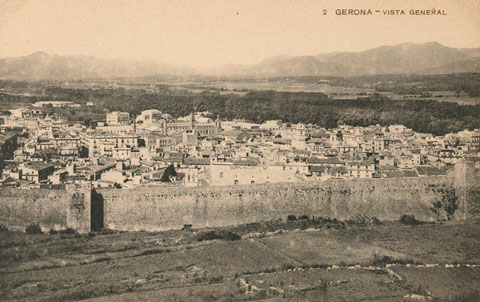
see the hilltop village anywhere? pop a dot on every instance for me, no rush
(153, 148)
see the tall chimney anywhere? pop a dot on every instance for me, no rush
(134, 124)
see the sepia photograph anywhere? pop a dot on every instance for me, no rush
(240, 150)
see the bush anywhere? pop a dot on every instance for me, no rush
(3, 228)
(53, 232)
(318, 265)
(409, 220)
(362, 220)
(215, 279)
(187, 227)
(151, 252)
(286, 267)
(382, 260)
(222, 235)
(105, 231)
(33, 255)
(269, 270)
(304, 217)
(376, 221)
(68, 231)
(291, 217)
(33, 229)
(448, 204)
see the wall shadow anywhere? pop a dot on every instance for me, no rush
(97, 211)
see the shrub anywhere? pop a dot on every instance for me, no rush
(151, 252)
(304, 217)
(286, 267)
(448, 204)
(217, 279)
(105, 231)
(187, 227)
(409, 220)
(384, 260)
(318, 265)
(101, 259)
(377, 221)
(68, 231)
(362, 220)
(3, 228)
(291, 217)
(33, 255)
(53, 232)
(222, 235)
(358, 220)
(33, 229)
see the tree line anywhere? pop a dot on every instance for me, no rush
(434, 117)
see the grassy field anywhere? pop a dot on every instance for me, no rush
(274, 261)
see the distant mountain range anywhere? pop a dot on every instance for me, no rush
(41, 65)
(408, 58)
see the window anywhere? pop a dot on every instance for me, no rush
(252, 182)
(235, 182)
(221, 174)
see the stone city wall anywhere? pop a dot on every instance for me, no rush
(160, 208)
(22, 207)
(154, 208)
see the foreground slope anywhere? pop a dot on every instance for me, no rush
(274, 261)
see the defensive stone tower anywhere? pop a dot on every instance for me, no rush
(79, 207)
(467, 188)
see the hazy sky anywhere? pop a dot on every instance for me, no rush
(208, 33)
